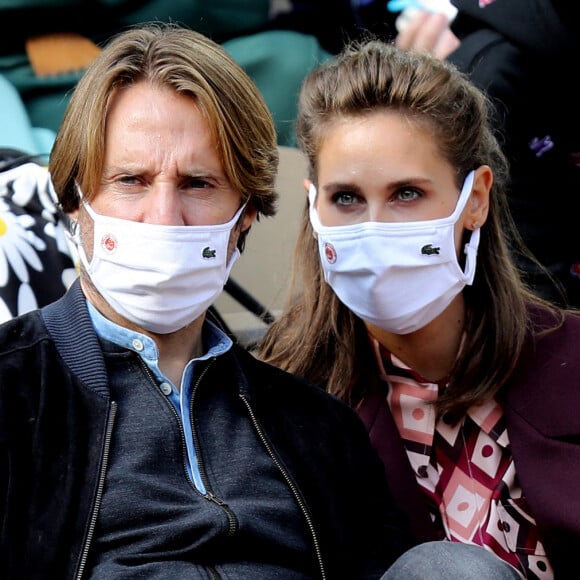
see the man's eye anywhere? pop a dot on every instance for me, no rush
(194, 183)
(128, 180)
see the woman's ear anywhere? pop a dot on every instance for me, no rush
(478, 205)
(307, 183)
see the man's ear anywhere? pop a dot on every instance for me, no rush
(478, 205)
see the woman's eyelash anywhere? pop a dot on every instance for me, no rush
(342, 196)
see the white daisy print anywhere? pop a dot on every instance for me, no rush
(19, 246)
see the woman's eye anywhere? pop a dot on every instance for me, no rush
(407, 194)
(344, 198)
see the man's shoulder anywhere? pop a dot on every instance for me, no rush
(24, 342)
(30, 329)
(257, 368)
(21, 331)
(284, 386)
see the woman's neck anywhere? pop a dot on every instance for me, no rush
(432, 350)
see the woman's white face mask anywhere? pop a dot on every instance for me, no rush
(159, 277)
(398, 276)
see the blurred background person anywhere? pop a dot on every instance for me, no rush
(519, 53)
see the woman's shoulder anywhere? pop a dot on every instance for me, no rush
(543, 391)
(553, 323)
(551, 353)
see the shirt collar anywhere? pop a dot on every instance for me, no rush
(488, 416)
(214, 339)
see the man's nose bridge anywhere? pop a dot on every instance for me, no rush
(163, 204)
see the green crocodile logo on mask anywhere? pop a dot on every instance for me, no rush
(429, 250)
(208, 252)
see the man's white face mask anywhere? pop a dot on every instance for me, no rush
(398, 276)
(160, 277)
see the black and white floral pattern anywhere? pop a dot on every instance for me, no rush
(37, 262)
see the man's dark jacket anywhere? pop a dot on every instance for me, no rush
(54, 412)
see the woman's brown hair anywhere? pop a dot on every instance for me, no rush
(317, 337)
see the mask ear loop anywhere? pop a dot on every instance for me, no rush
(471, 256)
(312, 213)
(73, 231)
(238, 215)
(79, 192)
(473, 244)
(312, 194)
(72, 235)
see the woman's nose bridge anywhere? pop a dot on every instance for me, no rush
(377, 212)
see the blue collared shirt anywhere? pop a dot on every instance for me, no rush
(217, 343)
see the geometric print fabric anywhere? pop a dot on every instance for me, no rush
(465, 470)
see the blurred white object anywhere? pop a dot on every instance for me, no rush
(409, 8)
